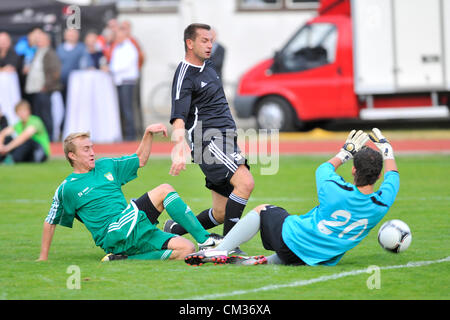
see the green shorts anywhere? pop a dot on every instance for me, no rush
(132, 233)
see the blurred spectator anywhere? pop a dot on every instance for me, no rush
(107, 38)
(217, 54)
(126, 25)
(69, 53)
(27, 140)
(125, 72)
(42, 79)
(26, 48)
(3, 120)
(9, 60)
(92, 57)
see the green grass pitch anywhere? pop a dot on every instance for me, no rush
(423, 202)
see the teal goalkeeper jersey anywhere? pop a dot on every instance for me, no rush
(95, 197)
(342, 219)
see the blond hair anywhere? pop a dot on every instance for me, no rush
(21, 104)
(69, 146)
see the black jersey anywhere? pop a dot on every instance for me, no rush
(198, 98)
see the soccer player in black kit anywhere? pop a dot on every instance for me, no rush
(199, 106)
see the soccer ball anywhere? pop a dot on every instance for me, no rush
(394, 236)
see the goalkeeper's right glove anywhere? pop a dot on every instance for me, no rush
(355, 141)
(382, 143)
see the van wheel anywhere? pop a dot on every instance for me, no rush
(275, 113)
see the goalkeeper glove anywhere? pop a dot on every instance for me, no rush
(382, 143)
(355, 141)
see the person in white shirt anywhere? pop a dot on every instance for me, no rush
(124, 67)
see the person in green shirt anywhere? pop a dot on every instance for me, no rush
(92, 193)
(27, 140)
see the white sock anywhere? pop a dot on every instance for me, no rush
(274, 259)
(243, 231)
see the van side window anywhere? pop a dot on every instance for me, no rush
(312, 46)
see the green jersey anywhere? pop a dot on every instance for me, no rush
(95, 197)
(40, 136)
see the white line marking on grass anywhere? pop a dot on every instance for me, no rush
(26, 201)
(302, 283)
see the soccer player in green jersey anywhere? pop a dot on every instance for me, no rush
(93, 194)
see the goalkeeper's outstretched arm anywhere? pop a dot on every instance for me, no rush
(355, 141)
(386, 149)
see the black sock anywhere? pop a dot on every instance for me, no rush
(145, 204)
(205, 218)
(233, 211)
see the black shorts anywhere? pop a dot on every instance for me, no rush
(272, 219)
(219, 159)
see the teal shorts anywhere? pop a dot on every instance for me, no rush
(132, 233)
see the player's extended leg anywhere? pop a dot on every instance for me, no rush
(243, 183)
(208, 218)
(180, 248)
(165, 197)
(175, 249)
(243, 231)
(219, 203)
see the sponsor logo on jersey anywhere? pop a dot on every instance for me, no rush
(109, 176)
(85, 191)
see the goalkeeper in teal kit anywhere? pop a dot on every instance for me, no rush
(93, 195)
(345, 214)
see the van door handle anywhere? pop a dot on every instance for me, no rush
(430, 58)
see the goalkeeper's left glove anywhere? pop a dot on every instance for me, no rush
(382, 143)
(355, 141)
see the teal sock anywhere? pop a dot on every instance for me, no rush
(152, 255)
(182, 214)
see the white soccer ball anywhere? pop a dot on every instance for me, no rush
(394, 236)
